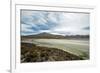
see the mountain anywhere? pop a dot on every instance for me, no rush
(44, 35)
(77, 36)
(53, 36)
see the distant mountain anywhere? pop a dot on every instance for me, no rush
(77, 36)
(44, 35)
(53, 36)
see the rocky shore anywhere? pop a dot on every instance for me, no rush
(33, 53)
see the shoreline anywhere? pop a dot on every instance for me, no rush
(33, 53)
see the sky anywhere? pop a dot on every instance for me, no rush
(58, 23)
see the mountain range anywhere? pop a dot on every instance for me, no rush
(53, 36)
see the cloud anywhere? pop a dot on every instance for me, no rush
(72, 24)
(37, 21)
(34, 22)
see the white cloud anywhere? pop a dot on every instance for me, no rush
(26, 28)
(55, 22)
(72, 23)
